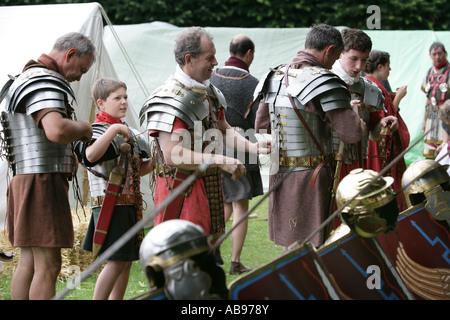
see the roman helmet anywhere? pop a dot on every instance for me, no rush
(428, 181)
(369, 208)
(176, 256)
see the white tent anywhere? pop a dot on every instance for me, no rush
(28, 31)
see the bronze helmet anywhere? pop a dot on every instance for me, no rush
(428, 181)
(373, 209)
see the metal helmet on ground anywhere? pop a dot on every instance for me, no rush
(374, 209)
(427, 180)
(175, 255)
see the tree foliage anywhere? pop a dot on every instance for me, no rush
(394, 14)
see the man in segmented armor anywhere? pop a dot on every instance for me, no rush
(189, 108)
(39, 131)
(303, 102)
(436, 86)
(366, 97)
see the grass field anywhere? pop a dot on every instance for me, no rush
(257, 251)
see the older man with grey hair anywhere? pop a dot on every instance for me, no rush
(185, 107)
(39, 130)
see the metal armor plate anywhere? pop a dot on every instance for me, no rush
(372, 97)
(29, 150)
(176, 100)
(44, 85)
(314, 82)
(304, 85)
(98, 183)
(369, 93)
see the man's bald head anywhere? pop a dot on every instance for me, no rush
(242, 47)
(240, 44)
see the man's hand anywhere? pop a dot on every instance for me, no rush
(357, 106)
(236, 169)
(391, 122)
(264, 146)
(86, 128)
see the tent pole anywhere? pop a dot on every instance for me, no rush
(127, 57)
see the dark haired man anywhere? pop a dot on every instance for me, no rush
(303, 101)
(436, 86)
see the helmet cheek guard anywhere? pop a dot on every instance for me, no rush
(438, 201)
(185, 280)
(374, 209)
(428, 181)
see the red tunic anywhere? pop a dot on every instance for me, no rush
(396, 142)
(195, 206)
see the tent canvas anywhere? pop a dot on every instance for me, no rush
(28, 31)
(150, 47)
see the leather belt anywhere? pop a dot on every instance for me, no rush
(122, 199)
(168, 171)
(304, 161)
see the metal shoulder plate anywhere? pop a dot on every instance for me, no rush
(140, 144)
(174, 100)
(214, 91)
(370, 93)
(264, 84)
(99, 129)
(36, 89)
(315, 82)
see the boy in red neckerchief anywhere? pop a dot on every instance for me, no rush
(102, 154)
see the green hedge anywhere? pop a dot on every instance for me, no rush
(394, 14)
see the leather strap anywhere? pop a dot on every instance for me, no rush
(305, 124)
(327, 159)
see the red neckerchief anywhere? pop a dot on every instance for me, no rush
(105, 117)
(443, 64)
(236, 62)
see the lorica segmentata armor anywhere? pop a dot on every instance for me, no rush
(295, 144)
(173, 99)
(29, 151)
(99, 173)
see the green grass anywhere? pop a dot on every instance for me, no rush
(257, 251)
